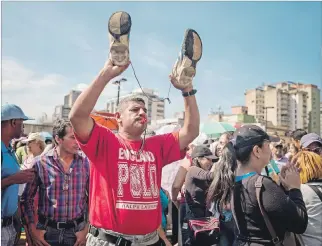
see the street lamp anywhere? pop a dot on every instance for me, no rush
(118, 83)
(265, 108)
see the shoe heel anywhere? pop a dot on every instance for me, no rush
(119, 27)
(119, 54)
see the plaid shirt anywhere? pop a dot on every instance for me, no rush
(62, 196)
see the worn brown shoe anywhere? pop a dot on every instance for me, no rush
(119, 27)
(185, 67)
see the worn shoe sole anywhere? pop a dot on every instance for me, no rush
(119, 27)
(191, 52)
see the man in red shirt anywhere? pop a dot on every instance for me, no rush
(125, 169)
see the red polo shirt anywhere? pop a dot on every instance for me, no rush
(125, 185)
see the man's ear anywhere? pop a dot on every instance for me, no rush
(57, 139)
(118, 117)
(13, 122)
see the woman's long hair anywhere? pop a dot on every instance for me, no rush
(224, 177)
(195, 162)
(224, 174)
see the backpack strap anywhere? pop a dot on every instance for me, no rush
(316, 190)
(232, 206)
(258, 186)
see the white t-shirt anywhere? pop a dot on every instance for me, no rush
(27, 163)
(313, 234)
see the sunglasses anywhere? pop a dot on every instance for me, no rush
(212, 160)
(317, 150)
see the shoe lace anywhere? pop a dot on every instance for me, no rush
(150, 98)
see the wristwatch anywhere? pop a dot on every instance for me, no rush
(189, 93)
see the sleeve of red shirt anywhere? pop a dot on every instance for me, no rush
(170, 148)
(96, 146)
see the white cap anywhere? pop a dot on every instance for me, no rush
(34, 136)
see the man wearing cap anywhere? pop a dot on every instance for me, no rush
(312, 142)
(12, 118)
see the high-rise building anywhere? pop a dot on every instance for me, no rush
(70, 99)
(62, 111)
(286, 104)
(255, 103)
(154, 104)
(298, 110)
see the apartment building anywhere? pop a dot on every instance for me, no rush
(255, 102)
(62, 111)
(154, 105)
(70, 98)
(286, 104)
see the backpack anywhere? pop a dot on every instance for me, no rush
(290, 238)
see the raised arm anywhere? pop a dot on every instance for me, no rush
(190, 129)
(84, 105)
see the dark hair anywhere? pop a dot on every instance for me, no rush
(298, 134)
(59, 128)
(195, 162)
(219, 191)
(296, 148)
(123, 103)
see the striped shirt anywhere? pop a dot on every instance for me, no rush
(62, 196)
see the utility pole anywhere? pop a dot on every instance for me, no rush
(265, 108)
(118, 83)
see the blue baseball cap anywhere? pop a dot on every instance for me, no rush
(307, 139)
(11, 112)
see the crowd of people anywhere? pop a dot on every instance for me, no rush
(92, 186)
(216, 179)
(220, 182)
